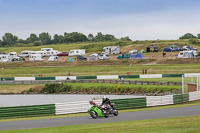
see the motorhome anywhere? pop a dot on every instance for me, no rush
(111, 50)
(4, 58)
(26, 53)
(76, 52)
(35, 57)
(53, 58)
(187, 54)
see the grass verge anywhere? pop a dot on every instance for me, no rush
(167, 125)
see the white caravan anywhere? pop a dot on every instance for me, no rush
(53, 58)
(187, 54)
(111, 50)
(26, 53)
(12, 54)
(76, 52)
(4, 58)
(46, 53)
(35, 57)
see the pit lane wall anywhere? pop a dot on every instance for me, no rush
(83, 106)
(60, 78)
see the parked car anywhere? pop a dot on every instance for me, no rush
(103, 56)
(134, 51)
(124, 56)
(81, 58)
(53, 58)
(63, 54)
(168, 49)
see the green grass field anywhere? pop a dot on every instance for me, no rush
(88, 70)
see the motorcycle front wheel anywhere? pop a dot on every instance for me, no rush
(93, 115)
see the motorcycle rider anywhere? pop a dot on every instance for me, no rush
(105, 101)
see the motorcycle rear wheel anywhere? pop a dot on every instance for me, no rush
(93, 115)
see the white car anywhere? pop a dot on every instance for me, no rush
(134, 51)
(103, 57)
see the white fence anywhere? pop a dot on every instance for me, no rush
(74, 107)
(159, 100)
(151, 76)
(194, 96)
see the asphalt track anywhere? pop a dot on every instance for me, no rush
(140, 115)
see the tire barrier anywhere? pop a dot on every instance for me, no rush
(27, 111)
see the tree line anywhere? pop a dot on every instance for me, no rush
(192, 38)
(45, 39)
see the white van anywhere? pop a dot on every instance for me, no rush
(53, 58)
(35, 57)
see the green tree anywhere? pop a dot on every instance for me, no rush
(90, 37)
(101, 37)
(45, 38)
(57, 39)
(21, 41)
(9, 39)
(33, 37)
(125, 39)
(187, 36)
(37, 43)
(74, 37)
(198, 36)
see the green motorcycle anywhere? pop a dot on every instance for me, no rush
(95, 112)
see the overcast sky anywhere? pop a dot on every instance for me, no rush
(138, 19)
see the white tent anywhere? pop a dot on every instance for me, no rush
(93, 57)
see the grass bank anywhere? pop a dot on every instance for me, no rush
(103, 88)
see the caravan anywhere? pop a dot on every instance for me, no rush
(4, 58)
(35, 57)
(76, 52)
(26, 53)
(187, 54)
(12, 54)
(111, 50)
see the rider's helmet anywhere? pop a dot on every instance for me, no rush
(91, 102)
(103, 98)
